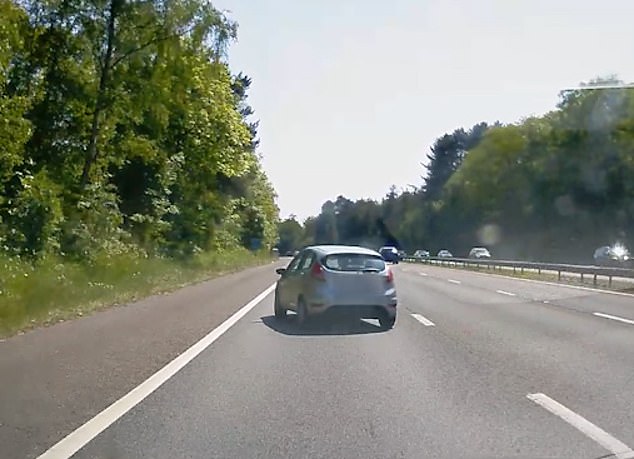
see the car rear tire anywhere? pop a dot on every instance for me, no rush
(387, 322)
(280, 312)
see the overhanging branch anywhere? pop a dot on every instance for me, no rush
(154, 41)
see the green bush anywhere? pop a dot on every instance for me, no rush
(33, 221)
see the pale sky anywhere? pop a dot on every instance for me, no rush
(351, 94)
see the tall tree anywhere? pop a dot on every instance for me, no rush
(326, 225)
(447, 154)
(124, 125)
(290, 235)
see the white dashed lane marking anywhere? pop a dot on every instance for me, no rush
(423, 320)
(617, 318)
(619, 449)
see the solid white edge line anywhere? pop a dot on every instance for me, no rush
(423, 320)
(453, 281)
(77, 439)
(504, 292)
(609, 316)
(616, 447)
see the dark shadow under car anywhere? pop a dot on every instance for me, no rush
(322, 325)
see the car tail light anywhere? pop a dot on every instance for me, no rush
(317, 271)
(390, 276)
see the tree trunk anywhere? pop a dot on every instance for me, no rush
(92, 153)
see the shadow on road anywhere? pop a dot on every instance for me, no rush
(321, 326)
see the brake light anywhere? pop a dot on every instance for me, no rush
(390, 276)
(317, 271)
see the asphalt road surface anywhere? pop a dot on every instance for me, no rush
(477, 366)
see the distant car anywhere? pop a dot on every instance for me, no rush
(390, 253)
(401, 254)
(616, 256)
(289, 253)
(340, 279)
(479, 252)
(444, 254)
(421, 253)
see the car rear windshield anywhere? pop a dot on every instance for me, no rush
(353, 262)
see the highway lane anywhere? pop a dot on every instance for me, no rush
(575, 298)
(485, 374)
(583, 359)
(54, 379)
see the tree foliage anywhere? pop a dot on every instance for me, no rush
(291, 235)
(121, 126)
(549, 188)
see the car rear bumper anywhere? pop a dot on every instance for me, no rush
(370, 311)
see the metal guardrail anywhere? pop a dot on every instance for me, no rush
(582, 270)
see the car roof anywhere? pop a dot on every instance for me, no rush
(330, 249)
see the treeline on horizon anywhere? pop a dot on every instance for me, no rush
(123, 130)
(548, 188)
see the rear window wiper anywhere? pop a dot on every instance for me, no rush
(371, 270)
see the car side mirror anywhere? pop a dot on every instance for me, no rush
(280, 271)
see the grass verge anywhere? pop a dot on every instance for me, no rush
(54, 289)
(617, 285)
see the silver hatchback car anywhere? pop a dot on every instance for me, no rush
(337, 279)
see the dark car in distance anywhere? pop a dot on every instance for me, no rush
(390, 253)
